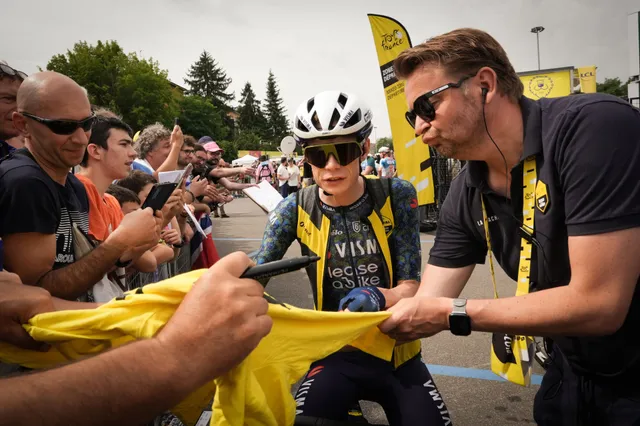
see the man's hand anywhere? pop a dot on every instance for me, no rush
(18, 304)
(417, 317)
(213, 193)
(220, 321)
(246, 170)
(177, 138)
(172, 207)
(171, 236)
(138, 229)
(198, 186)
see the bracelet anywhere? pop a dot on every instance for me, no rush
(193, 197)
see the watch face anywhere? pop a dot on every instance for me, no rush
(460, 324)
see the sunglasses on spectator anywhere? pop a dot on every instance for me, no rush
(11, 72)
(63, 127)
(422, 106)
(344, 152)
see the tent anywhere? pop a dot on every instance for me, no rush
(245, 161)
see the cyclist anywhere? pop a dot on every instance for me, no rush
(366, 233)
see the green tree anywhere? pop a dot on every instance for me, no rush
(208, 80)
(198, 117)
(143, 94)
(230, 150)
(135, 88)
(388, 142)
(249, 141)
(613, 86)
(251, 117)
(275, 113)
(96, 68)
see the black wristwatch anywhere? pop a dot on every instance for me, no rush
(121, 264)
(459, 321)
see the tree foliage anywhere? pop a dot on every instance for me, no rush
(388, 142)
(275, 113)
(208, 80)
(198, 117)
(251, 117)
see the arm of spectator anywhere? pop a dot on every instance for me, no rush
(69, 282)
(228, 172)
(163, 253)
(145, 262)
(171, 163)
(232, 186)
(217, 325)
(197, 187)
(172, 207)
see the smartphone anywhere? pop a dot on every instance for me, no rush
(187, 172)
(159, 195)
(176, 121)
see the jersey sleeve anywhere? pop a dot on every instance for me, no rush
(406, 236)
(600, 169)
(280, 231)
(455, 246)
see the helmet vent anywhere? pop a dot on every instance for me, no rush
(301, 126)
(316, 122)
(310, 104)
(335, 117)
(355, 119)
(342, 100)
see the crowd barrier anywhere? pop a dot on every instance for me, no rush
(179, 265)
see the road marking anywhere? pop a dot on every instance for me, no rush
(472, 373)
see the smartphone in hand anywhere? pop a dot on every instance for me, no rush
(159, 195)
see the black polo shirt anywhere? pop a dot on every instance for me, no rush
(587, 150)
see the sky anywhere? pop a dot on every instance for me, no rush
(313, 46)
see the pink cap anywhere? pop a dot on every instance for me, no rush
(212, 147)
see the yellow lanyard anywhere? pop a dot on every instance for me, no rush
(518, 370)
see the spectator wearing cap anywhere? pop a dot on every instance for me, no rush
(214, 154)
(10, 81)
(158, 149)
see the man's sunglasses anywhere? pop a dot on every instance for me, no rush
(11, 72)
(344, 152)
(63, 127)
(422, 106)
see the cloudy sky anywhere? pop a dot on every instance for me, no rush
(313, 45)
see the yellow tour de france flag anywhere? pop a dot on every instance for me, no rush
(587, 77)
(412, 156)
(541, 84)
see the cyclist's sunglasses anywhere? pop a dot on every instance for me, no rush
(423, 108)
(11, 72)
(344, 152)
(63, 127)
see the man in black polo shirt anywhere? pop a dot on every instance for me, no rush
(559, 182)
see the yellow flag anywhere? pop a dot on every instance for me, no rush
(587, 79)
(413, 160)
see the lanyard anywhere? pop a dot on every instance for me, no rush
(511, 355)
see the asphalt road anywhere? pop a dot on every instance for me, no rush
(460, 365)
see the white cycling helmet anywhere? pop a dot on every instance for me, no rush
(331, 114)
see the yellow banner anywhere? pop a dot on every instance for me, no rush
(552, 84)
(412, 156)
(587, 79)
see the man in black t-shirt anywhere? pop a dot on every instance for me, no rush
(551, 187)
(41, 201)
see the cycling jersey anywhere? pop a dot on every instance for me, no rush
(354, 256)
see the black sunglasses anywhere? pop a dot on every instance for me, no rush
(344, 153)
(423, 108)
(63, 127)
(12, 72)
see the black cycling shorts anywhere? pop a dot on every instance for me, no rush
(408, 394)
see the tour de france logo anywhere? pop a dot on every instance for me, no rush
(541, 86)
(392, 39)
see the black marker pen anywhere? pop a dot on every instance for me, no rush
(279, 267)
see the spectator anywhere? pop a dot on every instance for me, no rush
(294, 177)
(158, 149)
(283, 177)
(368, 166)
(214, 155)
(128, 200)
(10, 81)
(42, 201)
(387, 163)
(108, 157)
(264, 171)
(196, 187)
